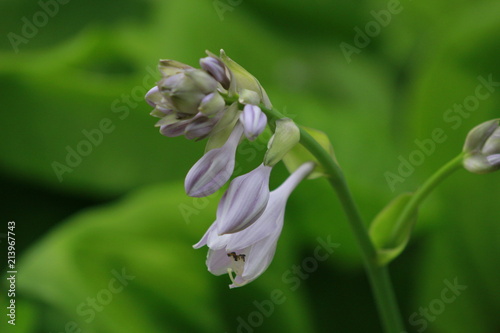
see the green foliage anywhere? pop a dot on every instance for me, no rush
(130, 267)
(382, 230)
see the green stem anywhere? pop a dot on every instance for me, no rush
(422, 192)
(378, 276)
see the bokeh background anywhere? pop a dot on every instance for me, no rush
(121, 210)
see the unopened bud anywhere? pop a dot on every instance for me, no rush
(286, 136)
(212, 104)
(185, 90)
(482, 148)
(254, 121)
(216, 68)
(199, 127)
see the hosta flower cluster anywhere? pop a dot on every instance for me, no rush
(222, 102)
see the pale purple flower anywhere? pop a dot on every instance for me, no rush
(185, 90)
(156, 100)
(482, 148)
(217, 69)
(175, 129)
(153, 96)
(200, 127)
(249, 253)
(254, 121)
(214, 169)
(244, 201)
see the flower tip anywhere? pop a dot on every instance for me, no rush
(477, 137)
(254, 121)
(482, 148)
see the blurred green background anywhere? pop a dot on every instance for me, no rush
(106, 245)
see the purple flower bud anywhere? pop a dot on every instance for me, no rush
(217, 69)
(175, 129)
(244, 201)
(482, 148)
(155, 99)
(214, 169)
(254, 121)
(153, 96)
(200, 127)
(185, 90)
(249, 253)
(212, 104)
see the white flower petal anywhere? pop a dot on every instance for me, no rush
(244, 201)
(218, 262)
(204, 240)
(260, 256)
(267, 223)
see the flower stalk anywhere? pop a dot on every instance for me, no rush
(421, 193)
(378, 275)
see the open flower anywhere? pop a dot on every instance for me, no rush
(249, 253)
(244, 201)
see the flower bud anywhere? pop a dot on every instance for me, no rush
(185, 90)
(492, 145)
(244, 201)
(211, 104)
(214, 169)
(153, 96)
(216, 68)
(171, 126)
(286, 136)
(199, 127)
(482, 148)
(224, 127)
(254, 121)
(249, 97)
(155, 99)
(203, 81)
(169, 67)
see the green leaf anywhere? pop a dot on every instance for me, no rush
(388, 244)
(299, 155)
